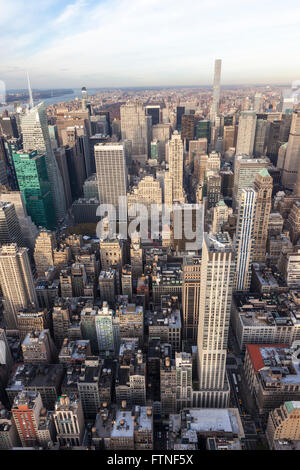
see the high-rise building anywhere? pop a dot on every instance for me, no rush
(187, 127)
(10, 230)
(244, 239)
(69, 420)
(179, 113)
(38, 348)
(43, 252)
(134, 127)
(104, 330)
(214, 315)
(184, 380)
(154, 111)
(263, 186)
(16, 282)
(291, 162)
(28, 228)
(26, 411)
(260, 141)
(175, 155)
(111, 172)
(191, 296)
(284, 425)
(61, 158)
(246, 133)
(216, 90)
(36, 136)
(33, 181)
(5, 354)
(245, 171)
(107, 285)
(221, 213)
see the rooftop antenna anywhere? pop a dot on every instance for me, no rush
(30, 92)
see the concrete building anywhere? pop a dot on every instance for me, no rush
(245, 172)
(191, 297)
(214, 315)
(263, 185)
(26, 413)
(246, 133)
(175, 159)
(43, 378)
(107, 285)
(272, 374)
(69, 421)
(38, 348)
(16, 282)
(291, 161)
(111, 173)
(10, 229)
(43, 252)
(244, 240)
(271, 318)
(184, 380)
(284, 424)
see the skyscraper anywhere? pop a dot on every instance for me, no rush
(175, 155)
(246, 133)
(111, 172)
(16, 282)
(263, 186)
(191, 296)
(216, 90)
(26, 414)
(244, 239)
(245, 171)
(43, 252)
(36, 136)
(134, 127)
(292, 158)
(10, 230)
(214, 315)
(32, 176)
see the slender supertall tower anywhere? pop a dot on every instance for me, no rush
(217, 267)
(36, 136)
(216, 90)
(244, 239)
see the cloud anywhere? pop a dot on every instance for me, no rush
(72, 10)
(144, 42)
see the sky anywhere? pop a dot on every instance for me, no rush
(115, 43)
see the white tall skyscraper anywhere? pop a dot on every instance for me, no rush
(244, 239)
(135, 127)
(216, 90)
(111, 172)
(246, 133)
(217, 278)
(16, 282)
(36, 136)
(175, 155)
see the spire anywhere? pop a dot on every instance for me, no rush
(29, 92)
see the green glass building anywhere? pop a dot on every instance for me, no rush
(203, 130)
(33, 181)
